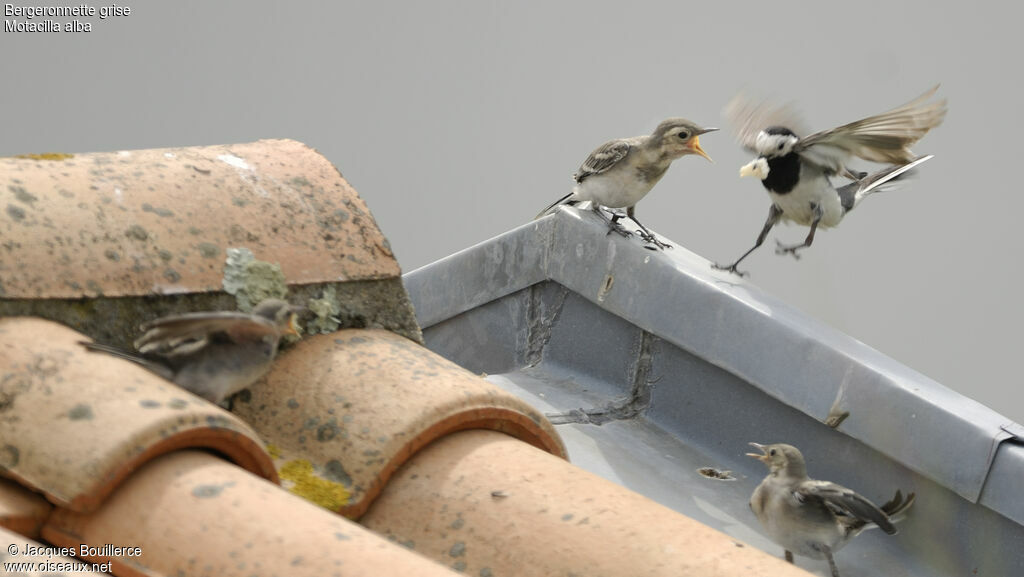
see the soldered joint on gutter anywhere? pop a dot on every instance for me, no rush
(539, 325)
(620, 409)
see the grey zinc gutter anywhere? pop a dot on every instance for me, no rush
(1002, 492)
(500, 266)
(736, 326)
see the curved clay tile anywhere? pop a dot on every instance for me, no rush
(28, 551)
(90, 240)
(74, 424)
(159, 221)
(487, 504)
(341, 412)
(191, 513)
(22, 510)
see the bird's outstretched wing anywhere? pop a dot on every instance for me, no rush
(885, 137)
(747, 118)
(843, 501)
(603, 158)
(183, 334)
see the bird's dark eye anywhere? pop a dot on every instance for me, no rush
(771, 453)
(781, 145)
(684, 135)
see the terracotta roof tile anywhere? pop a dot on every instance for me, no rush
(486, 504)
(22, 510)
(75, 423)
(29, 562)
(160, 221)
(347, 409)
(191, 513)
(210, 228)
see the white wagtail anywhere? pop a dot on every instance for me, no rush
(621, 172)
(213, 354)
(814, 518)
(796, 171)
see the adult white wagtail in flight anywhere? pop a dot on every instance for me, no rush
(213, 354)
(796, 171)
(621, 172)
(813, 518)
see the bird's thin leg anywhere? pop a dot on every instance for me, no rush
(645, 235)
(783, 249)
(773, 217)
(613, 222)
(853, 175)
(616, 217)
(831, 562)
(789, 556)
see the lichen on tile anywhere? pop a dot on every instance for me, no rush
(274, 451)
(251, 280)
(46, 156)
(298, 477)
(325, 311)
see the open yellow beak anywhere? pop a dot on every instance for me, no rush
(763, 457)
(695, 147)
(293, 327)
(695, 143)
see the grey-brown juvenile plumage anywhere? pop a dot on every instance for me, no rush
(813, 518)
(213, 354)
(619, 173)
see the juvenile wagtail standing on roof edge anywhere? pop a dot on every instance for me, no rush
(814, 518)
(796, 171)
(621, 172)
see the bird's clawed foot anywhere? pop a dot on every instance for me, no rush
(613, 223)
(730, 268)
(789, 249)
(652, 242)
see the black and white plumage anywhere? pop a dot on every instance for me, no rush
(797, 171)
(814, 518)
(619, 173)
(213, 354)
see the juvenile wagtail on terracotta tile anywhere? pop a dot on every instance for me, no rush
(814, 518)
(213, 354)
(621, 172)
(796, 171)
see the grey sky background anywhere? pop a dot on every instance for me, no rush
(457, 121)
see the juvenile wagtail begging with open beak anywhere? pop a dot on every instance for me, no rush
(814, 518)
(621, 172)
(796, 171)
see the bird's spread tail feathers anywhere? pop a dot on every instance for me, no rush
(567, 199)
(881, 181)
(897, 506)
(894, 509)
